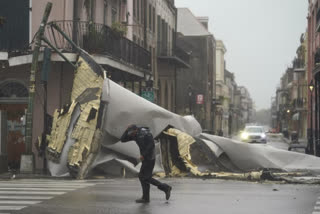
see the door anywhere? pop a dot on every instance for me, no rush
(16, 132)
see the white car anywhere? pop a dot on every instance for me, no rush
(254, 134)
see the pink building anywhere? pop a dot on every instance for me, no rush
(314, 76)
(97, 26)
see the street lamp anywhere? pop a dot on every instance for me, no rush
(312, 149)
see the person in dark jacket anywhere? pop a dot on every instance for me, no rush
(144, 139)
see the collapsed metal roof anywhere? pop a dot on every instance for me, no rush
(85, 136)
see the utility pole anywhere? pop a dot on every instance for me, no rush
(27, 160)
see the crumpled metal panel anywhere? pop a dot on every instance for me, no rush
(86, 92)
(56, 141)
(249, 157)
(125, 107)
(100, 112)
(184, 142)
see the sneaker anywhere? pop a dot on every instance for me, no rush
(168, 192)
(142, 200)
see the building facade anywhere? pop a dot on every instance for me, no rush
(97, 26)
(313, 77)
(196, 84)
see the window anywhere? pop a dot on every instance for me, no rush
(154, 20)
(142, 10)
(138, 10)
(150, 17)
(105, 12)
(134, 8)
(114, 15)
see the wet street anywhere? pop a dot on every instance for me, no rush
(277, 143)
(188, 196)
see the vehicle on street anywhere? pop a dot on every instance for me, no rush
(253, 134)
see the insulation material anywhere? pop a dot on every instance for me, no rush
(86, 92)
(60, 125)
(184, 142)
(84, 78)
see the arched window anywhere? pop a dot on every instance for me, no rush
(13, 89)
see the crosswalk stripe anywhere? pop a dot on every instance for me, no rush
(25, 197)
(45, 185)
(19, 202)
(19, 194)
(315, 212)
(318, 203)
(31, 193)
(41, 182)
(11, 207)
(37, 189)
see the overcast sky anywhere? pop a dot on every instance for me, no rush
(261, 37)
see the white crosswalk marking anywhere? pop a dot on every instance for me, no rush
(19, 202)
(19, 194)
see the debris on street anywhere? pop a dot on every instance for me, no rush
(85, 139)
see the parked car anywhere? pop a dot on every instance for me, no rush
(254, 134)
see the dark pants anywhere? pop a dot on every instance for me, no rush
(145, 177)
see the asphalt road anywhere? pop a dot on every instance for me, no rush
(188, 196)
(278, 144)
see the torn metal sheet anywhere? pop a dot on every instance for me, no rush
(117, 108)
(248, 157)
(125, 108)
(86, 92)
(85, 137)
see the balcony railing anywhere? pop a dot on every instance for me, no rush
(318, 21)
(175, 55)
(298, 64)
(99, 39)
(299, 103)
(182, 54)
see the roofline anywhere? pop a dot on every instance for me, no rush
(196, 19)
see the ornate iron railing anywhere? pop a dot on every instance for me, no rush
(99, 39)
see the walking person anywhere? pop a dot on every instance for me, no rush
(144, 139)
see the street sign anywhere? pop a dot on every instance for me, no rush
(200, 99)
(148, 95)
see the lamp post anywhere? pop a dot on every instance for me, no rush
(312, 146)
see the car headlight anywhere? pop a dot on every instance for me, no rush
(263, 135)
(244, 136)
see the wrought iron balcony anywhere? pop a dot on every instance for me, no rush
(176, 56)
(298, 65)
(299, 104)
(99, 39)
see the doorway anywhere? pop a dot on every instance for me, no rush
(15, 132)
(13, 102)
